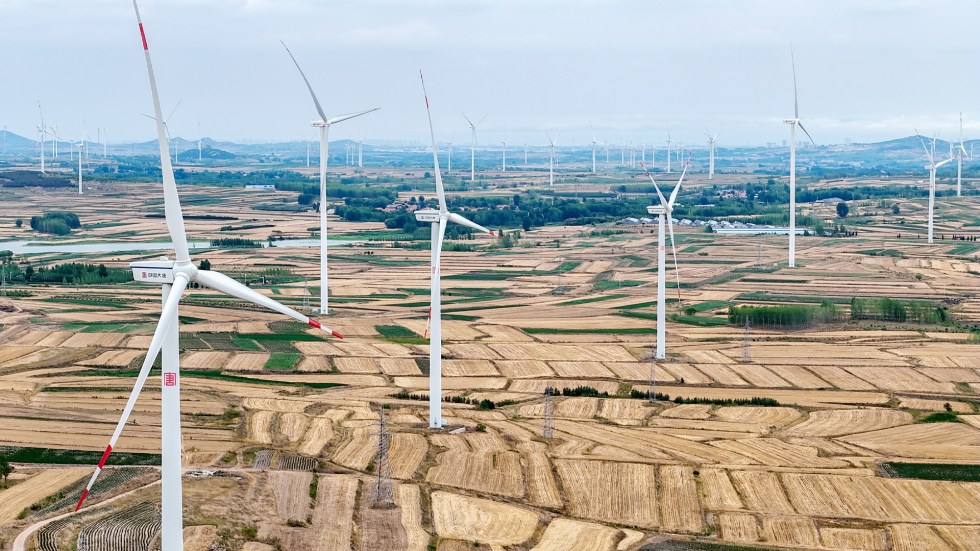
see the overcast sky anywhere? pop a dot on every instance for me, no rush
(867, 69)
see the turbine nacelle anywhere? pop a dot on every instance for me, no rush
(656, 209)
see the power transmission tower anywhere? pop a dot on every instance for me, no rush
(746, 356)
(306, 297)
(547, 431)
(652, 392)
(383, 495)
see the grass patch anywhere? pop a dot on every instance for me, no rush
(700, 321)
(281, 361)
(933, 471)
(883, 252)
(760, 296)
(590, 299)
(590, 331)
(395, 331)
(640, 315)
(710, 305)
(940, 417)
(244, 343)
(85, 389)
(609, 284)
(74, 457)
(212, 374)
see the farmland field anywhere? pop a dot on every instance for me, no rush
(818, 437)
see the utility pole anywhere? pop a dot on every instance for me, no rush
(547, 431)
(746, 356)
(383, 494)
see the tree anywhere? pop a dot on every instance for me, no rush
(103, 271)
(526, 223)
(18, 222)
(896, 209)
(205, 264)
(842, 209)
(5, 468)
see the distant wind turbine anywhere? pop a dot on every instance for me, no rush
(931, 167)
(960, 153)
(552, 159)
(473, 145)
(793, 123)
(711, 152)
(668, 148)
(324, 125)
(504, 161)
(594, 144)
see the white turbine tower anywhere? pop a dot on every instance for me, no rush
(360, 152)
(931, 167)
(438, 219)
(449, 148)
(80, 146)
(960, 153)
(552, 159)
(473, 145)
(793, 123)
(504, 161)
(668, 148)
(594, 144)
(711, 152)
(42, 131)
(324, 125)
(664, 210)
(174, 276)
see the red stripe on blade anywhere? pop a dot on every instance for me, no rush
(81, 499)
(336, 334)
(143, 35)
(105, 456)
(314, 323)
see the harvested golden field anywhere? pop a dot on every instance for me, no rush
(604, 490)
(738, 527)
(762, 491)
(291, 492)
(766, 416)
(406, 452)
(333, 515)
(481, 520)
(947, 441)
(541, 486)
(494, 473)
(916, 537)
(564, 534)
(36, 488)
(719, 492)
(407, 498)
(856, 539)
(680, 509)
(791, 531)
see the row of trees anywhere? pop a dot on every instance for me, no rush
(784, 315)
(889, 309)
(69, 273)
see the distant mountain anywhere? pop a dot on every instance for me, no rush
(16, 141)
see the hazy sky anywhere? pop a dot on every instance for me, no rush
(867, 69)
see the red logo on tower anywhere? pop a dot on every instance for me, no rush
(170, 378)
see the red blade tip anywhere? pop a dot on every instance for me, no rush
(81, 499)
(314, 323)
(336, 334)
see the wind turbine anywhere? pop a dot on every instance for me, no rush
(80, 146)
(449, 148)
(594, 144)
(551, 160)
(360, 152)
(504, 162)
(959, 161)
(668, 148)
(438, 219)
(664, 210)
(324, 125)
(174, 276)
(931, 167)
(711, 152)
(473, 145)
(793, 123)
(200, 154)
(42, 131)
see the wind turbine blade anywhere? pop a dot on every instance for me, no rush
(440, 192)
(171, 201)
(468, 120)
(156, 343)
(228, 286)
(941, 163)
(656, 187)
(800, 124)
(923, 142)
(481, 120)
(323, 116)
(673, 249)
(796, 103)
(455, 218)
(341, 118)
(677, 188)
(172, 111)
